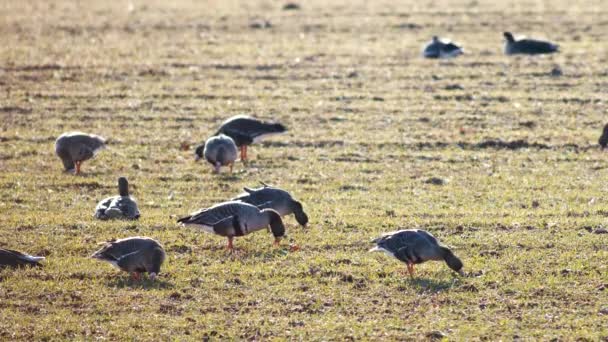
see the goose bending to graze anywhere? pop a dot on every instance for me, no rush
(135, 255)
(441, 48)
(245, 130)
(415, 246)
(122, 206)
(232, 219)
(604, 138)
(11, 258)
(219, 150)
(73, 148)
(274, 198)
(527, 46)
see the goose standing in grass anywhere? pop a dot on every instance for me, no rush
(232, 219)
(604, 138)
(122, 206)
(415, 246)
(219, 150)
(527, 46)
(135, 255)
(246, 130)
(73, 148)
(11, 258)
(274, 198)
(441, 48)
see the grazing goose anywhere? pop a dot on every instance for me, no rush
(441, 48)
(134, 255)
(415, 246)
(274, 198)
(232, 219)
(122, 206)
(75, 147)
(604, 138)
(219, 150)
(245, 130)
(527, 46)
(10, 258)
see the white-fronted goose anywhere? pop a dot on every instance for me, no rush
(75, 147)
(245, 130)
(122, 206)
(134, 255)
(441, 48)
(527, 46)
(415, 246)
(219, 150)
(11, 258)
(274, 198)
(232, 219)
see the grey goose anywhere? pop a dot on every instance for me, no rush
(274, 198)
(11, 258)
(135, 255)
(73, 148)
(441, 48)
(122, 206)
(415, 246)
(219, 150)
(527, 46)
(246, 130)
(231, 219)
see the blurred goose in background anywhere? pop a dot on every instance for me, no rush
(415, 246)
(441, 48)
(274, 198)
(219, 150)
(245, 130)
(527, 46)
(135, 255)
(122, 206)
(604, 138)
(11, 258)
(75, 147)
(232, 219)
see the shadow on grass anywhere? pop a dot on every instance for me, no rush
(431, 285)
(145, 284)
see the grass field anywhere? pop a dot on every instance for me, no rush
(370, 123)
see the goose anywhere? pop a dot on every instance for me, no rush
(441, 48)
(527, 46)
(73, 148)
(274, 198)
(604, 138)
(233, 218)
(219, 150)
(135, 255)
(415, 246)
(122, 206)
(246, 130)
(11, 258)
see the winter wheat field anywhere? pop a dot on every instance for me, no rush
(496, 156)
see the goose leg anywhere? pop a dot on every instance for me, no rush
(231, 164)
(245, 150)
(78, 167)
(277, 242)
(216, 168)
(243, 153)
(135, 276)
(230, 247)
(410, 269)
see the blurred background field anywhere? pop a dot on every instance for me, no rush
(497, 156)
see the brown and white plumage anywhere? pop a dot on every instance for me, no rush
(134, 255)
(73, 148)
(12, 258)
(232, 219)
(274, 198)
(415, 246)
(246, 130)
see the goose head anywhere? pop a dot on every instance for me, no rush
(509, 37)
(123, 187)
(198, 152)
(453, 262)
(276, 223)
(299, 213)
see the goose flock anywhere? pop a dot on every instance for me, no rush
(255, 209)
